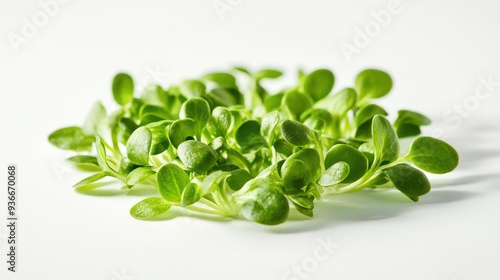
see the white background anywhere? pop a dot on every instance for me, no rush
(436, 51)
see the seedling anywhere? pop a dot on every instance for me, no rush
(214, 146)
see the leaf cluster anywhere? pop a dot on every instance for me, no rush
(214, 146)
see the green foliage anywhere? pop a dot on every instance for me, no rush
(372, 83)
(408, 123)
(212, 146)
(123, 89)
(433, 155)
(71, 138)
(319, 83)
(149, 208)
(410, 181)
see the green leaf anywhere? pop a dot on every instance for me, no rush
(269, 122)
(127, 126)
(71, 138)
(372, 83)
(433, 155)
(317, 114)
(367, 112)
(139, 175)
(154, 95)
(242, 70)
(263, 202)
(273, 102)
(197, 109)
(217, 144)
(410, 181)
(102, 157)
(268, 74)
(193, 88)
(304, 205)
(341, 102)
(94, 120)
(408, 123)
(123, 89)
(148, 111)
(149, 208)
(223, 97)
(296, 103)
(283, 147)
(295, 174)
(86, 163)
(224, 80)
(357, 162)
(220, 121)
(335, 174)
(191, 194)
(182, 130)
(238, 179)
(412, 117)
(248, 135)
(296, 133)
(311, 159)
(385, 141)
(159, 141)
(139, 145)
(319, 84)
(91, 179)
(197, 156)
(171, 181)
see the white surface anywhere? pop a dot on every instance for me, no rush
(435, 51)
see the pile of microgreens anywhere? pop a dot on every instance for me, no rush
(211, 146)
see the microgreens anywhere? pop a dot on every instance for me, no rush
(213, 146)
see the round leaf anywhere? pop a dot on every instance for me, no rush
(296, 133)
(268, 73)
(410, 181)
(220, 121)
(191, 194)
(139, 145)
(123, 89)
(372, 83)
(171, 181)
(367, 112)
(295, 175)
(149, 208)
(433, 155)
(296, 103)
(197, 156)
(311, 158)
(238, 179)
(193, 88)
(335, 174)
(181, 130)
(197, 109)
(248, 135)
(71, 138)
(319, 83)
(224, 80)
(357, 162)
(263, 202)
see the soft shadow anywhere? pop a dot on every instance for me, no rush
(445, 196)
(113, 188)
(466, 180)
(364, 206)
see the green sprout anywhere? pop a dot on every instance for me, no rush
(213, 146)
